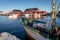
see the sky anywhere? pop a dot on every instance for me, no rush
(43, 5)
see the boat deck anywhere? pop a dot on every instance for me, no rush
(34, 35)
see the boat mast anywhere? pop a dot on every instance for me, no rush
(53, 14)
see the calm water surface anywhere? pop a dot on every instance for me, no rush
(12, 26)
(48, 19)
(15, 27)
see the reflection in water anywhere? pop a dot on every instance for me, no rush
(39, 18)
(14, 27)
(13, 16)
(43, 17)
(49, 19)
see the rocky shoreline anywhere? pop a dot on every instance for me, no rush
(7, 36)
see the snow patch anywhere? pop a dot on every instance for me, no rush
(7, 36)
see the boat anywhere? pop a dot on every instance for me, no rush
(34, 34)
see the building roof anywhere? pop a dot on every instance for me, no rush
(17, 10)
(31, 9)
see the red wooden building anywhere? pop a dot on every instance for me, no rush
(16, 12)
(33, 13)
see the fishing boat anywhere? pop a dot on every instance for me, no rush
(33, 33)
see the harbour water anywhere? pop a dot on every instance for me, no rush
(15, 27)
(12, 26)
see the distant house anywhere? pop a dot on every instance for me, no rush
(16, 12)
(43, 12)
(1, 12)
(28, 13)
(33, 13)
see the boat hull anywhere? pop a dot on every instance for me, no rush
(29, 36)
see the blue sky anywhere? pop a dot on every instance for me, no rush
(43, 5)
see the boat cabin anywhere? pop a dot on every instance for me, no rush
(42, 25)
